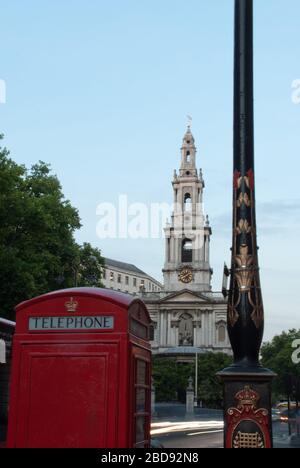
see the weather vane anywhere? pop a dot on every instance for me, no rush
(190, 120)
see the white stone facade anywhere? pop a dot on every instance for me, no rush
(188, 317)
(127, 278)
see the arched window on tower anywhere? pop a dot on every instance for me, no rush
(187, 202)
(187, 251)
(188, 156)
(186, 330)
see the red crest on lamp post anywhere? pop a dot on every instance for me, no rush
(256, 433)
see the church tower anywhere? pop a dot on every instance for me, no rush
(187, 264)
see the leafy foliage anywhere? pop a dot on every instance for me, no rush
(210, 390)
(171, 378)
(277, 356)
(38, 252)
(90, 266)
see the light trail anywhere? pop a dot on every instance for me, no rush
(168, 427)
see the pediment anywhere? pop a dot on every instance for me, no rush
(185, 296)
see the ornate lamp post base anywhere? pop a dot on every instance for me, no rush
(247, 407)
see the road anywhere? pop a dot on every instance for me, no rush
(175, 429)
(204, 429)
(205, 437)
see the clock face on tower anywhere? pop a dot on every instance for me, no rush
(186, 276)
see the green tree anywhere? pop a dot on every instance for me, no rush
(90, 268)
(210, 390)
(171, 378)
(277, 356)
(38, 252)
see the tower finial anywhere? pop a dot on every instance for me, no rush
(189, 123)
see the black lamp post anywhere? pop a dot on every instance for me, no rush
(247, 386)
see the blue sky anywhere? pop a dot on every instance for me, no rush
(101, 90)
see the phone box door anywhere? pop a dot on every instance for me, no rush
(68, 396)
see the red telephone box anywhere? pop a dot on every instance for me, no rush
(81, 371)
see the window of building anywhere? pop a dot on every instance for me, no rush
(104, 273)
(187, 251)
(221, 334)
(127, 280)
(187, 202)
(119, 278)
(134, 282)
(112, 276)
(188, 157)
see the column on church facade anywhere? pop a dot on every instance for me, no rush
(207, 248)
(203, 252)
(207, 241)
(197, 333)
(177, 335)
(203, 320)
(167, 247)
(169, 337)
(194, 200)
(161, 328)
(175, 332)
(164, 316)
(172, 249)
(166, 327)
(197, 330)
(196, 252)
(211, 329)
(174, 328)
(214, 330)
(172, 333)
(202, 248)
(156, 335)
(206, 327)
(178, 253)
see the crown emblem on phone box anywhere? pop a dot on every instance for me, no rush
(71, 305)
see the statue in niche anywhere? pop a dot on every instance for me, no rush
(186, 330)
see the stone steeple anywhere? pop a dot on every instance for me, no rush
(187, 264)
(188, 155)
